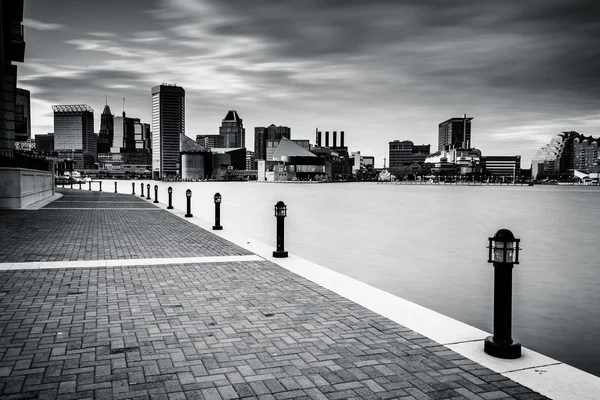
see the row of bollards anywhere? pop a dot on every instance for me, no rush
(503, 253)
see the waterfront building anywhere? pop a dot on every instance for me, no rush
(260, 142)
(232, 130)
(250, 160)
(567, 152)
(210, 141)
(403, 153)
(168, 124)
(74, 135)
(22, 115)
(455, 133)
(237, 156)
(501, 166)
(12, 49)
(106, 134)
(293, 162)
(270, 136)
(454, 161)
(44, 143)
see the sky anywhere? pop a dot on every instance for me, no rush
(380, 70)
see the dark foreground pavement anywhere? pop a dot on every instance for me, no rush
(224, 330)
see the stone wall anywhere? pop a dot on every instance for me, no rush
(20, 187)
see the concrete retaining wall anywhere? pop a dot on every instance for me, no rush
(20, 187)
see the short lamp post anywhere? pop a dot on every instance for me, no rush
(71, 184)
(148, 192)
(217, 226)
(115, 187)
(133, 188)
(142, 189)
(79, 185)
(188, 194)
(280, 214)
(90, 185)
(504, 254)
(170, 190)
(100, 185)
(155, 194)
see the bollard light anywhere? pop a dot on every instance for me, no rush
(90, 186)
(155, 194)
(115, 187)
(188, 194)
(217, 226)
(503, 252)
(79, 185)
(148, 192)
(100, 185)
(280, 213)
(142, 189)
(170, 190)
(132, 187)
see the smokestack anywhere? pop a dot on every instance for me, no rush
(334, 138)
(326, 138)
(318, 139)
(464, 145)
(342, 139)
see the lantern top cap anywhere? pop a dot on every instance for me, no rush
(217, 194)
(155, 186)
(170, 189)
(504, 235)
(280, 204)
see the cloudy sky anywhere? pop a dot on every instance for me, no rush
(380, 70)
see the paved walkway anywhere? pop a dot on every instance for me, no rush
(201, 330)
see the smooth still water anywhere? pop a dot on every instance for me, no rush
(427, 244)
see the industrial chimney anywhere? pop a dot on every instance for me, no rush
(318, 138)
(342, 139)
(326, 138)
(334, 139)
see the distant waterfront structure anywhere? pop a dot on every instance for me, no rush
(403, 153)
(232, 130)
(250, 160)
(22, 115)
(566, 153)
(106, 134)
(74, 136)
(455, 133)
(44, 143)
(501, 166)
(12, 49)
(168, 123)
(269, 137)
(210, 141)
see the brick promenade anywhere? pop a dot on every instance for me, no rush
(222, 330)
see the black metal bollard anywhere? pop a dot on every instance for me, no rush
(504, 253)
(90, 187)
(155, 194)
(148, 192)
(132, 187)
(217, 226)
(188, 194)
(280, 213)
(100, 182)
(115, 187)
(79, 185)
(71, 184)
(142, 188)
(170, 190)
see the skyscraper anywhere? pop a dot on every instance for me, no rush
(232, 129)
(455, 133)
(269, 137)
(168, 123)
(22, 115)
(106, 134)
(12, 49)
(74, 135)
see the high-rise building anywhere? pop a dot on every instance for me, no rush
(22, 115)
(403, 153)
(168, 124)
(74, 135)
(566, 152)
(260, 143)
(124, 134)
(12, 49)
(455, 133)
(269, 137)
(210, 141)
(106, 134)
(232, 129)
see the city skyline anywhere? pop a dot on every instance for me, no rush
(510, 66)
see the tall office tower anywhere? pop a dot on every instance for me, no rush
(260, 143)
(168, 124)
(107, 130)
(232, 129)
(74, 135)
(403, 153)
(455, 133)
(12, 49)
(124, 133)
(22, 115)
(278, 132)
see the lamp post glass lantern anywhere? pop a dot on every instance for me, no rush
(155, 193)
(188, 194)
(148, 191)
(217, 198)
(503, 252)
(280, 214)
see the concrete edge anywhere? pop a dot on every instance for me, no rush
(39, 204)
(533, 370)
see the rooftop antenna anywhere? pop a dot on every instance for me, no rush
(384, 159)
(123, 105)
(106, 102)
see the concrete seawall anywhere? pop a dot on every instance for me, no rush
(21, 187)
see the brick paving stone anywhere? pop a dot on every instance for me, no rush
(248, 330)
